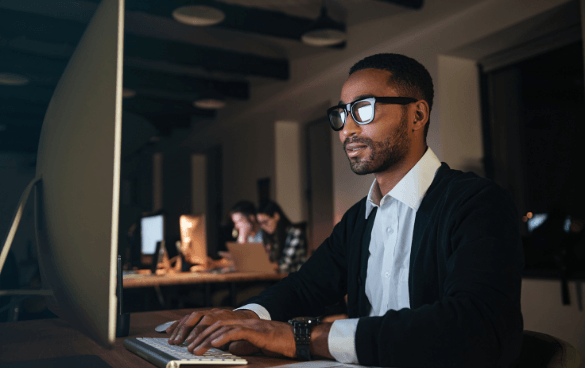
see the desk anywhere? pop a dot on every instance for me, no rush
(188, 278)
(191, 278)
(52, 338)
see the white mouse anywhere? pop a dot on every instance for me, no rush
(164, 326)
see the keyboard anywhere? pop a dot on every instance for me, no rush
(159, 352)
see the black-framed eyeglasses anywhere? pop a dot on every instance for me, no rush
(362, 110)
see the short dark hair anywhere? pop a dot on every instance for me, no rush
(246, 208)
(408, 75)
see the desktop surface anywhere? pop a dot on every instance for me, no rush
(55, 338)
(187, 278)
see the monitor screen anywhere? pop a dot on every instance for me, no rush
(151, 232)
(538, 219)
(78, 176)
(193, 239)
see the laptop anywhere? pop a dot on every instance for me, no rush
(250, 257)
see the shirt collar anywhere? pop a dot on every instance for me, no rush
(412, 188)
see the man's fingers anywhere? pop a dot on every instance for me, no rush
(172, 327)
(176, 329)
(222, 336)
(191, 326)
(205, 331)
(203, 325)
(185, 327)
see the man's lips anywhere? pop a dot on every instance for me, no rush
(354, 149)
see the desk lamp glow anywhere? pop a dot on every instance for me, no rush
(77, 182)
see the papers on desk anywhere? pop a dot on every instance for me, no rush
(321, 364)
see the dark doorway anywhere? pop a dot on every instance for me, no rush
(534, 127)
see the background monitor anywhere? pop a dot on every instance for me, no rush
(78, 180)
(151, 232)
(539, 218)
(193, 239)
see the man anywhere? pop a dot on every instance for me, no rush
(431, 259)
(243, 215)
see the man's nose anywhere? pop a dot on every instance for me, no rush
(350, 128)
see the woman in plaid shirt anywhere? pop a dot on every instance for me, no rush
(287, 243)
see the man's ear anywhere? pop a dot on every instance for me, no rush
(421, 114)
(276, 216)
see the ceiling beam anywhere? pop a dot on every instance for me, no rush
(30, 93)
(40, 69)
(238, 18)
(149, 107)
(19, 139)
(18, 107)
(139, 79)
(208, 58)
(17, 24)
(412, 4)
(166, 123)
(45, 70)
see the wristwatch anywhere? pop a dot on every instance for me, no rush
(302, 329)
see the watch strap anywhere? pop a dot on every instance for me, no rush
(302, 327)
(302, 332)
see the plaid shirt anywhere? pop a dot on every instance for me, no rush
(294, 253)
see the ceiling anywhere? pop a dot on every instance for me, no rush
(167, 64)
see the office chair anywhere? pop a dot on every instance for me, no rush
(540, 350)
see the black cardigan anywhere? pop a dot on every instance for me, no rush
(464, 281)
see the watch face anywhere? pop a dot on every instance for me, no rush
(311, 320)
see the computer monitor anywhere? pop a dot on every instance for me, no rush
(152, 230)
(77, 181)
(193, 239)
(538, 219)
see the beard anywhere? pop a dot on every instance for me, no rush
(384, 154)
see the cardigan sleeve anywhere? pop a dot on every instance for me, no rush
(320, 282)
(475, 320)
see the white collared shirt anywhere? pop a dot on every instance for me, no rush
(389, 261)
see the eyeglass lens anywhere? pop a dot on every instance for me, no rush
(362, 112)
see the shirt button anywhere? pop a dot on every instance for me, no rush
(389, 230)
(387, 274)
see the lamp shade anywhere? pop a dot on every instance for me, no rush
(198, 15)
(324, 31)
(128, 93)
(11, 79)
(210, 103)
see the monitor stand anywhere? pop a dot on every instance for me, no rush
(10, 237)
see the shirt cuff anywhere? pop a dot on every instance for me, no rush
(341, 340)
(258, 309)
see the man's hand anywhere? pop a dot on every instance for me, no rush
(192, 325)
(273, 338)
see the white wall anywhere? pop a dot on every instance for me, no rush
(288, 169)
(198, 184)
(461, 135)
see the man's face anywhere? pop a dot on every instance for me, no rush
(381, 144)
